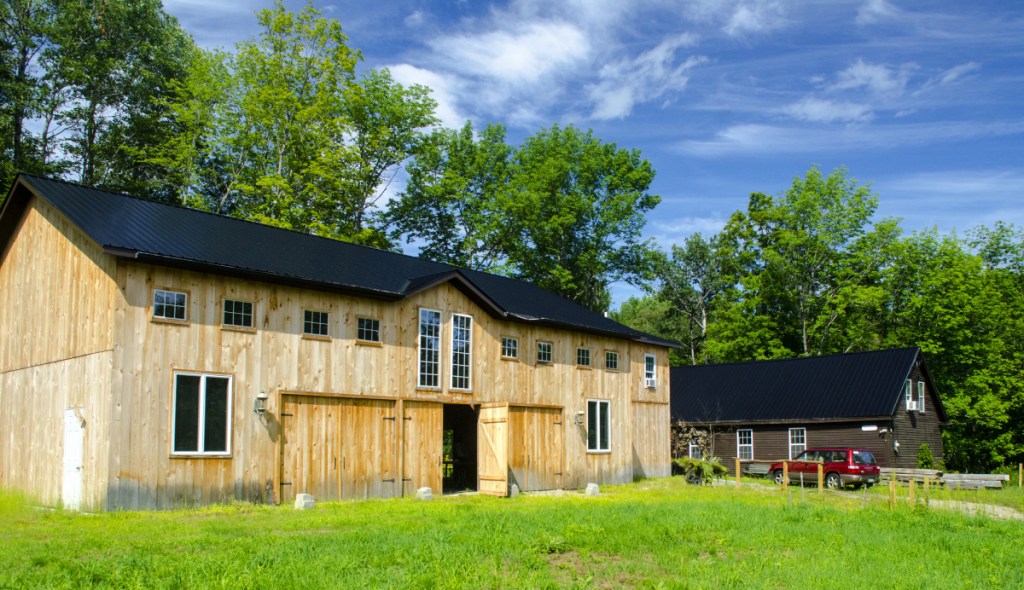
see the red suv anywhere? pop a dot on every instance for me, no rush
(843, 466)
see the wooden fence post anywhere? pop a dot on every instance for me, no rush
(785, 475)
(737, 472)
(927, 484)
(821, 477)
(912, 486)
(892, 494)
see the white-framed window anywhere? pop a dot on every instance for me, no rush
(543, 352)
(908, 392)
(920, 396)
(202, 414)
(462, 351)
(368, 330)
(238, 314)
(797, 441)
(695, 451)
(430, 348)
(599, 425)
(611, 360)
(316, 323)
(583, 357)
(170, 305)
(509, 347)
(650, 378)
(745, 444)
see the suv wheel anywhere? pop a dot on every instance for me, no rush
(777, 477)
(833, 481)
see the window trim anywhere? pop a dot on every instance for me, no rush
(202, 454)
(920, 396)
(606, 358)
(551, 352)
(223, 315)
(310, 336)
(165, 319)
(469, 354)
(792, 431)
(650, 375)
(363, 341)
(505, 357)
(581, 352)
(740, 446)
(437, 352)
(600, 425)
(908, 389)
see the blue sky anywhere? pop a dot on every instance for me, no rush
(924, 100)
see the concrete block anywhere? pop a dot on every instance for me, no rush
(592, 490)
(424, 493)
(304, 501)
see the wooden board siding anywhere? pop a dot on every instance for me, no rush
(651, 440)
(535, 454)
(275, 358)
(33, 402)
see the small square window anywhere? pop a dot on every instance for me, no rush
(583, 357)
(170, 305)
(238, 314)
(509, 348)
(367, 330)
(543, 352)
(315, 323)
(611, 360)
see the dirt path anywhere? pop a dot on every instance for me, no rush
(993, 510)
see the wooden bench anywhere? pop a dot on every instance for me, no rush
(974, 481)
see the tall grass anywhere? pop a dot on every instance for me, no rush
(659, 533)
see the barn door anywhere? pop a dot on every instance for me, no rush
(74, 439)
(536, 448)
(423, 424)
(310, 458)
(492, 450)
(368, 449)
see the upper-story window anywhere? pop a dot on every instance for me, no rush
(583, 357)
(650, 379)
(611, 360)
(315, 323)
(170, 305)
(430, 348)
(462, 351)
(238, 314)
(368, 330)
(543, 352)
(509, 347)
(920, 396)
(202, 414)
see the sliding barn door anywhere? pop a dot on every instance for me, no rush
(492, 451)
(422, 446)
(536, 447)
(310, 447)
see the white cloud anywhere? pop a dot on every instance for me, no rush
(876, 11)
(879, 79)
(776, 139)
(755, 17)
(415, 19)
(826, 111)
(651, 76)
(955, 73)
(523, 56)
(442, 90)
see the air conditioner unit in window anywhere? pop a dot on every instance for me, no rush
(650, 383)
(912, 406)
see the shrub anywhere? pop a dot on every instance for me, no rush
(925, 458)
(697, 471)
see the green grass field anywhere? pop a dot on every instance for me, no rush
(658, 533)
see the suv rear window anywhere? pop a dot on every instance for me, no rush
(863, 458)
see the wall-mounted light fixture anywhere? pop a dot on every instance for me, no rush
(259, 405)
(578, 418)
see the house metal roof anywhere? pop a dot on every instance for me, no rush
(152, 232)
(808, 389)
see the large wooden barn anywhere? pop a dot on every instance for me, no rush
(153, 356)
(881, 400)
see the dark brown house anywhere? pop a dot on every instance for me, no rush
(883, 400)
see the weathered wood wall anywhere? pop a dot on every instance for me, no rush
(57, 301)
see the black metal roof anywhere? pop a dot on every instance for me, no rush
(807, 389)
(152, 232)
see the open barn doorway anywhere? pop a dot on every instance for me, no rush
(459, 448)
